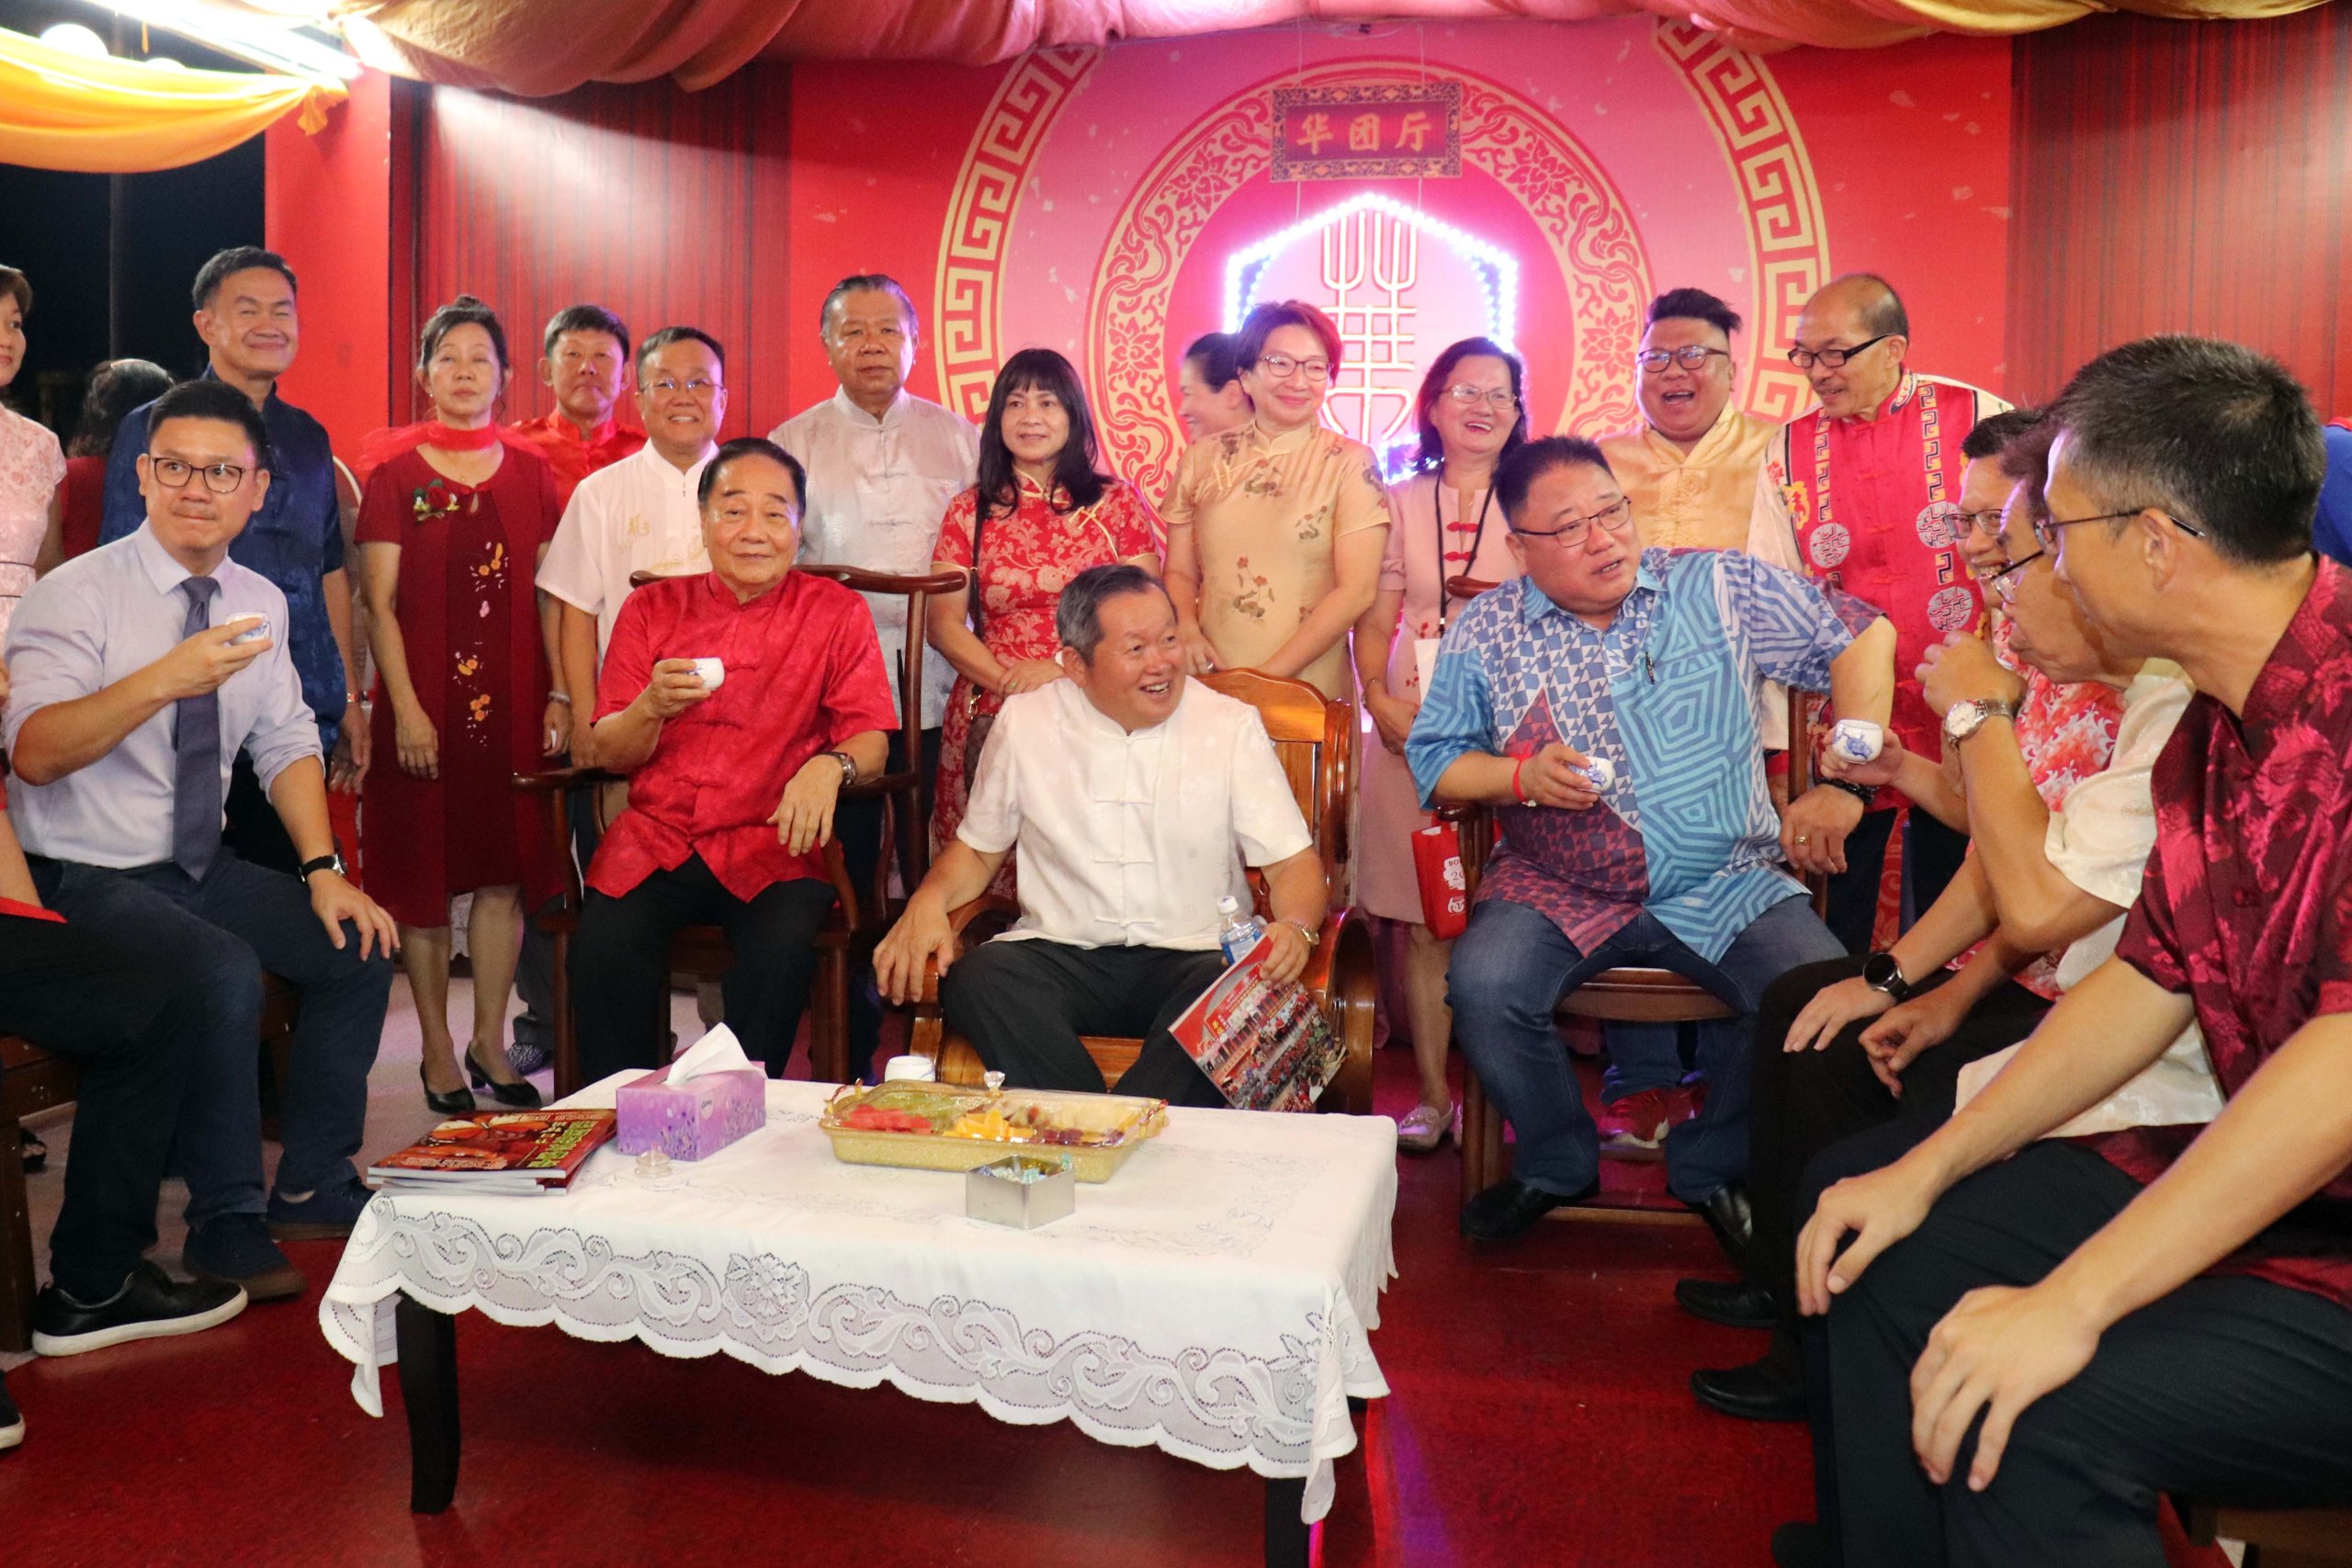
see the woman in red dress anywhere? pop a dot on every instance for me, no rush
(452, 526)
(1039, 515)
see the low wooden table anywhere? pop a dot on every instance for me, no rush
(1213, 1299)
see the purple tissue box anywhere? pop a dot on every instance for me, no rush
(695, 1119)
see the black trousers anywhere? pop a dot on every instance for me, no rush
(130, 1025)
(1931, 857)
(859, 824)
(1024, 1005)
(620, 964)
(1804, 1103)
(2231, 1389)
(534, 975)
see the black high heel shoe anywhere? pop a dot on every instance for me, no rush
(519, 1094)
(458, 1101)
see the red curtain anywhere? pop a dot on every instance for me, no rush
(669, 208)
(2183, 178)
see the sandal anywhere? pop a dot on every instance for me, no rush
(1425, 1128)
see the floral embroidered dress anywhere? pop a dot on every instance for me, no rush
(30, 468)
(470, 621)
(1269, 512)
(1025, 560)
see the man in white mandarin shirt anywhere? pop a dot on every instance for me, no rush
(1137, 799)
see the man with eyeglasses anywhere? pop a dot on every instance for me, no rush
(1862, 493)
(247, 313)
(883, 464)
(1648, 660)
(140, 670)
(2163, 1308)
(1689, 467)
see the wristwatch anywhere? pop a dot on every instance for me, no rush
(1882, 973)
(331, 862)
(849, 766)
(1300, 927)
(1964, 719)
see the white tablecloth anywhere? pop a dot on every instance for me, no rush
(1211, 1298)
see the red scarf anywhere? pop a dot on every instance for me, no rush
(382, 446)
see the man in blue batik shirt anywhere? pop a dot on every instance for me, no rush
(1653, 662)
(245, 314)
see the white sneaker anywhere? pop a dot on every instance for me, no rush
(1425, 1128)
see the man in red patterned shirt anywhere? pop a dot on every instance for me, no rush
(1863, 493)
(740, 701)
(2169, 1308)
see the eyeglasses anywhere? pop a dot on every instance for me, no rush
(1469, 397)
(1612, 518)
(697, 388)
(221, 478)
(1691, 357)
(1803, 358)
(2047, 529)
(1281, 365)
(1986, 522)
(2006, 581)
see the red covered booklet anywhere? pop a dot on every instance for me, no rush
(498, 1151)
(1266, 1046)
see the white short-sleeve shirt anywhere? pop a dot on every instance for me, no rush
(2100, 839)
(879, 489)
(1128, 840)
(638, 514)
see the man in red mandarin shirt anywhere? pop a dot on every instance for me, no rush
(2059, 1329)
(739, 701)
(585, 363)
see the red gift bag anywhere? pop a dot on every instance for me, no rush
(1437, 865)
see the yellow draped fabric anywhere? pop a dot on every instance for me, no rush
(536, 47)
(61, 110)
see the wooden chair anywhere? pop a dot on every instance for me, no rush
(1626, 995)
(1313, 737)
(863, 913)
(2275, 1538)
(33, 1080)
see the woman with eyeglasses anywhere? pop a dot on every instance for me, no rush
(31, 465)
(1275, 529)
(1471, 410)
(1039, 514)
(2051, 766)
(455, 519)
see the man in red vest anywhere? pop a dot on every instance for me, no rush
(1862, 492)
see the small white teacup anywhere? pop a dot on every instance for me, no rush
(713, 673)
(1857, 740)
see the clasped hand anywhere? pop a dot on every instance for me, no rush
(1555, 777)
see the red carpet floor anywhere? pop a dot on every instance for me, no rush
(1538, 1417)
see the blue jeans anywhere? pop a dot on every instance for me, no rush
(222, 932)
(1512, 966)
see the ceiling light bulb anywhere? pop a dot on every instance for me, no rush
(74, 38)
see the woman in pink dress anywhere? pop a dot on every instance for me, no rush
(452, 525)
(1471, 410)
(31, 465)
(1039, 514)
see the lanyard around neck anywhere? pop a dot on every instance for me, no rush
(1478, 539)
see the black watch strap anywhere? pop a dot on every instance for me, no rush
(1859, 792)
(324, 862)
(1882, 973)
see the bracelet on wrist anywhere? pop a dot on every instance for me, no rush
(1859, 792)
(563, 697)
(1518, 794)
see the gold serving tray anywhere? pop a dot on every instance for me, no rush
(1114, 1126)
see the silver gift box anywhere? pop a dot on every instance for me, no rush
(1023, 1191)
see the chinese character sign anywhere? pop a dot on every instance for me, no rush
(1394, 132)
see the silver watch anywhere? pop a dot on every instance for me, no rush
(849, 766)
(1964, 719)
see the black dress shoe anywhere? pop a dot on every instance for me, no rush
(519, 1094)
(1509, 1206)
(1801, 1545)
(1728, 1215)
(458, 1101)
(1760, 1390)
(1734, 1303)
(150, 1306)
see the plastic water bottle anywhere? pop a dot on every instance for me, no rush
(1237, 932)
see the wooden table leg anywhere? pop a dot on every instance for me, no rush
(1288, 1536)
(428, 1350)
